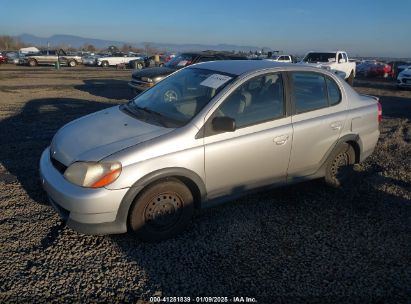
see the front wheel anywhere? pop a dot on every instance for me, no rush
(339, 167)
(162, 210)
(104, 64)
(32, 62)
(72, 63)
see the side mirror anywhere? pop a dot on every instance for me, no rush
(342, 60)
(223, 124)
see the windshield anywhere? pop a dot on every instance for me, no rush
(180, 61)
(174, 101)
(320, 57)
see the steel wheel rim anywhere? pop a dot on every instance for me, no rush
(339, 166)
(163, 211)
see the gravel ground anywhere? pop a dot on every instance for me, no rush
(303, 243)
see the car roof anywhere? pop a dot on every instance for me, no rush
(239, 67)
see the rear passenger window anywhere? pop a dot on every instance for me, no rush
(334, 94)
(309, 91)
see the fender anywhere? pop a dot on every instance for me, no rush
(324, 160)
(343, 139)
(138, 186)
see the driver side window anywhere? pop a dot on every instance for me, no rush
(258, 100)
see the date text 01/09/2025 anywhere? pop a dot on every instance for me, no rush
(203, 300)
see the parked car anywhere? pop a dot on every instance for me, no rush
(374, 69)
(404, 78)
(281, 58)
(11, 56)
(50, 57)
(3, 58)
(336, 62)
(117, 59)
(91, 60)
(142, 80)
(148, 62)
(395, 65)
(237, 126)
(403, 67)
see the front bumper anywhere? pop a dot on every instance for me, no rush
(89, 211)
(404, 81)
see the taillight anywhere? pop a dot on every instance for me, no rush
(379, 112)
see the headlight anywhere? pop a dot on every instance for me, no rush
(147, 79)
(93, 174)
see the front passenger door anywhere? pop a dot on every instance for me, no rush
(257, 152)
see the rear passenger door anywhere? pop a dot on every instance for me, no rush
(257, 152)
(318, 118)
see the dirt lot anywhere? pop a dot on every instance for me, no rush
(303, 243)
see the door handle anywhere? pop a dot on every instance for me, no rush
(281, 140)
(336, 125)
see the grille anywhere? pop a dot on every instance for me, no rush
(58, 165)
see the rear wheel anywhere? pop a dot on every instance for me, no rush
(339, 167)
(139, 66)
(162, 210)
(72, 63)
(350, 79)
(104, 64)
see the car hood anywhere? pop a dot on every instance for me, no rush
(153, 72)
(405, 72)
(98, 135)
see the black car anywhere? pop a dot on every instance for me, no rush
(144, 79)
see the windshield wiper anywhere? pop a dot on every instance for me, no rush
(160, 117)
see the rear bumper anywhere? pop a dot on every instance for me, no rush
(89, 211)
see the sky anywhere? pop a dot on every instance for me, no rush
(363, 28)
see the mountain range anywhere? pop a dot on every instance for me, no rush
(78, 42)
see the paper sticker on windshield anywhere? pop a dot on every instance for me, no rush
(215, 81)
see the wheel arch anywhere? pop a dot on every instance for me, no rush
(189, 178)
(352, 139)
(32, 60)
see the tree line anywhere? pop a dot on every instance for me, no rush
(10, 43)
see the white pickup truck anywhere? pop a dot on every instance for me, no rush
(336, 62)
(117, 58)
(281, 58)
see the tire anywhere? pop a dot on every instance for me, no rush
(350, 79)
(104, 64)
(161, 211)
(340, 165)
(32, 62)
(139, 66)
(72, 63)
